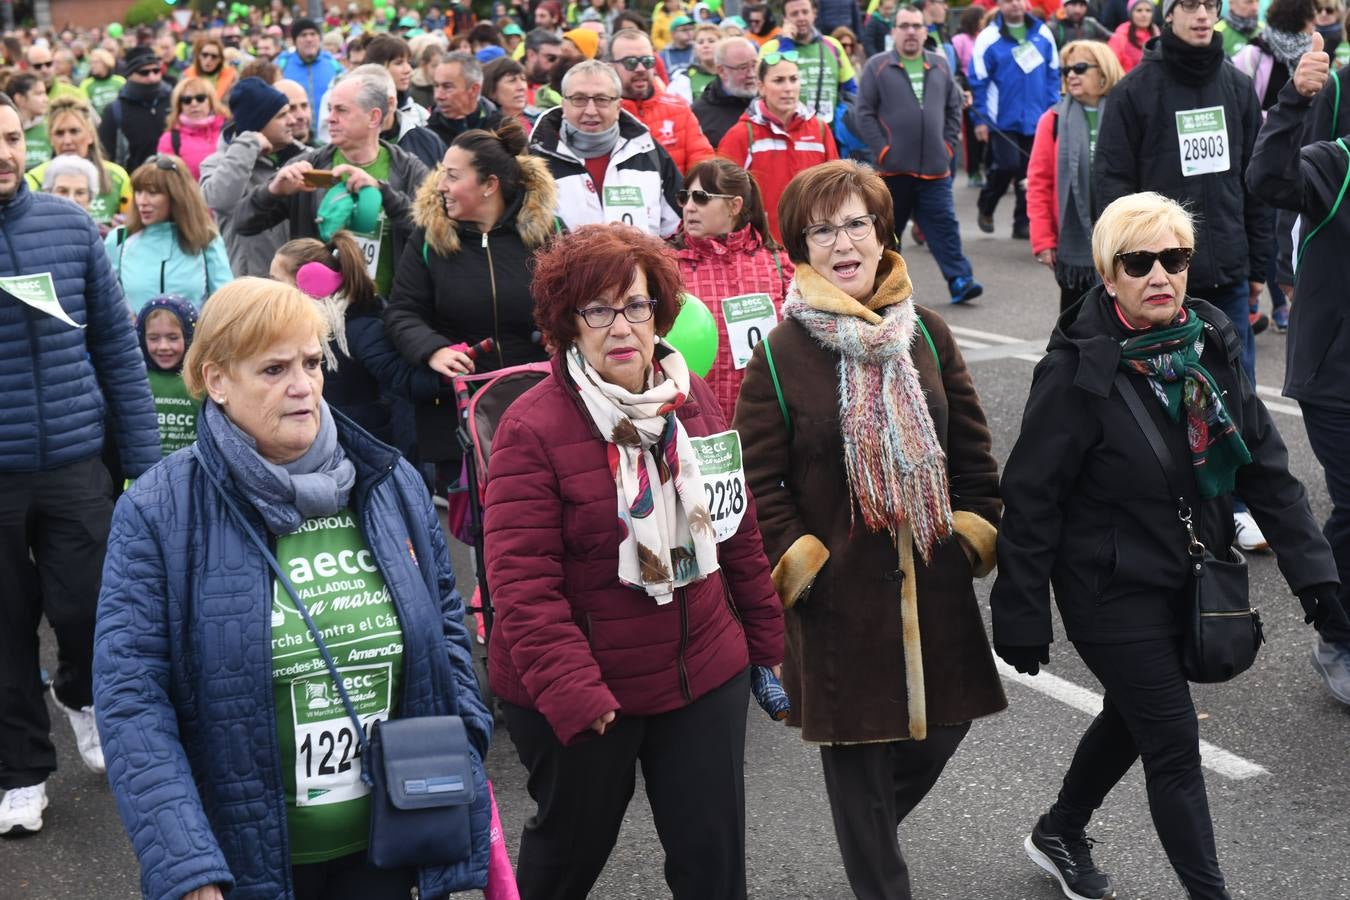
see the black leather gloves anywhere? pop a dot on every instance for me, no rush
(1321, 607)
(1027, 660)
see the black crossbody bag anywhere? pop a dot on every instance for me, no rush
(419, 770)
(1222, 630)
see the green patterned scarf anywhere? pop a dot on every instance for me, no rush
(1170, 358)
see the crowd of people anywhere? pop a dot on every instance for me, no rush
(248, 258)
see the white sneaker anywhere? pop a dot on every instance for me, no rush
(1248, 536)
(86, 736)
(21, 810)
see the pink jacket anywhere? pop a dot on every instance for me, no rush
(714, 270)
(569, 640)
(1128, 54)
(196, 142)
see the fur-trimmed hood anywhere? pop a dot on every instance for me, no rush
(531, 214)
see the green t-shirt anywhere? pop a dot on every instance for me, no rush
(378, 247)
(1092, 129)
(176, 410)
(1019, 32)
(102, 92)
(39, 147)
(914, 68)
(333, 571)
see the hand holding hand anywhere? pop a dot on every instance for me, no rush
(1314, 68)
(290, 180)
(1046, 257)
(1321, 607)
(450, 362)
(600, 724)
(1027, 660)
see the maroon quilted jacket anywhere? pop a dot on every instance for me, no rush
(569, 640)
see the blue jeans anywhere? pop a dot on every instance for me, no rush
(929, 200)
(1329, 434)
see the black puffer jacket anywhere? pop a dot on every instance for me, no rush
(1138, 150)
(457, 285)
(717, 111)
(1086, 505)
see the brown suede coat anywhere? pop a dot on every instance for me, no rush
(847, 646)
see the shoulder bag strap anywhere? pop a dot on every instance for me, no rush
(777, 387)
(929, 338)
(1154, 437)
(285, 582)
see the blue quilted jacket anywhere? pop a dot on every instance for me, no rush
(57, 383)
(183, 670)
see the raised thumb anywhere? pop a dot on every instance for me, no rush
(1317, 43)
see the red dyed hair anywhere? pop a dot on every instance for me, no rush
(598, 261)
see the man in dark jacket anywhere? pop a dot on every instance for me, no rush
(1074, 24)
(132, 124)
(71, 356)
(726, 98)
(359, 102)
(460, 105)
(1317, 371)
(909, 113)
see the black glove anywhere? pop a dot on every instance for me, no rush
(1321, 608)
(1026, 660)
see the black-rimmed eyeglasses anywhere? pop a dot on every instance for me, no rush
(634, 311)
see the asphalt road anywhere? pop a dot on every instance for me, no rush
(1282, 832)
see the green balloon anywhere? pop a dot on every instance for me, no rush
(115, 30)
(694, 334)
(379, 4)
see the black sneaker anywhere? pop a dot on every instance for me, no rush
(986, 222)
(1069, 859)
(1021, 232)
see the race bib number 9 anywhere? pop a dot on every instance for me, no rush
(749, 317)
(370, 251)
(624, 203)
(719, 464)
(1202, 135)
(327, 749)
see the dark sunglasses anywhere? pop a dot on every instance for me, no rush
(45, 65)
(701, 198)
(164, 162)
(195, 98)
(1081, 68)
(147, 71)
(1140, 262)
(632, 62)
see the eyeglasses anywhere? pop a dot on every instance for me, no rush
(1080, 68)
(1210, 6)
(632, 62)
(773, 59)
(743, 67)
(205, 54)
(46, 65)
(581, 101)
(1140, 262)
(195, 98)
(824, 234)
(1327, 10)
(147, 71)
(603, 316)
(701, 198)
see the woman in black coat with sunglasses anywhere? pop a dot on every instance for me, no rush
(1088, 510)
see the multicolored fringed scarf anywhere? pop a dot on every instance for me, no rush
(668, 535)
(897, 471)
(1170, 358)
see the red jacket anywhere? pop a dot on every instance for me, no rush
(569, 640)
(673, 126)
(774, 152)
(716, 269)
(1128, 54)
(1043, 185)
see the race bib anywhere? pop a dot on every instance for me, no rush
(370, 248)
(39, 292)
(624, 203)
(749, 317)
(327, 749)
(1027, 57)
(719, 465)
(1202, 135)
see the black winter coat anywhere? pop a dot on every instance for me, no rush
(717, 111)
(1087, 509)
(487, 116)
(1308, 181)
(131, 125)
(1138, 150)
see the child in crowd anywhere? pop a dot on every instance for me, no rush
(165, 326)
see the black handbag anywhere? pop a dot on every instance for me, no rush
(1222, 630)
(419, 770)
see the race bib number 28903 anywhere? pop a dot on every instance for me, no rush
(1202, 137)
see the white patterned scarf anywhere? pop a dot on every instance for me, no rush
(668, 535)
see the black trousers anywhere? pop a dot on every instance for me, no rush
(872, 788)
(692, 763)
(1329, 434)
(1008, 155)
(351, 878)
(53, 533)
(1148, 714)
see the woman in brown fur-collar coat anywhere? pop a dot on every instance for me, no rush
(877, 496)
(465, 273)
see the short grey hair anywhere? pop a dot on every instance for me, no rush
(469, 66)
(593, 67)
(376, 87)
(70, 164)
(725, 44)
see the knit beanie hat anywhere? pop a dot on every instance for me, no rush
(1166, 7)
(587, 41)
(301, 25)
(255, 103)
(139, 57)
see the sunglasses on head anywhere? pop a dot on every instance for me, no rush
(632, 62)
(1081, 68)
(166, 163)
(1139, 263)
(195, 98)
(700, 197)
(773, 59)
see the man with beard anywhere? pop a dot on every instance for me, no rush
(826, 74)
(723, 101)
(460, 105)
(71, 352)
(299, 114)
(670, 120)
(543, 49)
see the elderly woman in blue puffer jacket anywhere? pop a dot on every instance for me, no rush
(232, 759)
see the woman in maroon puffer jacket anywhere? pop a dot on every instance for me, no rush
(630, 600)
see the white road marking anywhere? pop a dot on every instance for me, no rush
(1216, 759)
(1272, 397)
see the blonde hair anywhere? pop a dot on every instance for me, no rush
(187, 207)
(198, 85)
(243, 319)
(1102, 56)
(78, 107)
(1135, 220)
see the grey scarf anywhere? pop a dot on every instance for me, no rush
(1242, 24)
(316, 484)
(1286, 47)
(1075, 182)
(587, 145)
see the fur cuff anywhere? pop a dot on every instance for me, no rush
(980, 536)
(798, 568)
